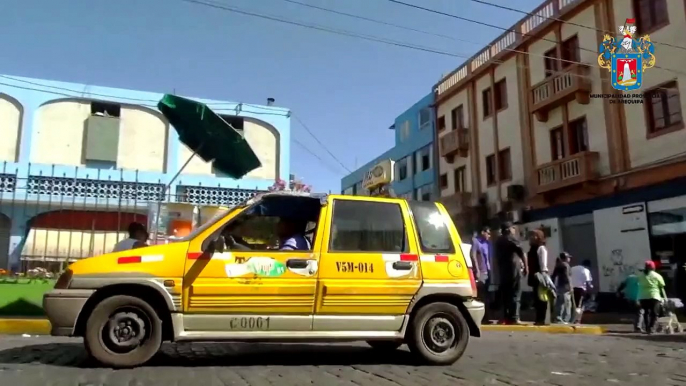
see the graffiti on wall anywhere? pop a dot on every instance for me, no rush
(617, 269)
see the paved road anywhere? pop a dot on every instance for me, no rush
(497, 359)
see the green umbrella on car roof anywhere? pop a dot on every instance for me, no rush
(209, 136)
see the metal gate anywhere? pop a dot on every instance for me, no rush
(5, 225)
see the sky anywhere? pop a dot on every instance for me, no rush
(346, 90)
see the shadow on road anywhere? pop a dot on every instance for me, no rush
(216, 354)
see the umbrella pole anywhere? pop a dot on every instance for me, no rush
(166, 189)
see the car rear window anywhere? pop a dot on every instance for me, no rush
(432, 227)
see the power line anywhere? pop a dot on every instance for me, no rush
(320, 143)
(562, 21)
(329, 10)
(315, 155)
(318, 27)
(380, 40)
(514, 30)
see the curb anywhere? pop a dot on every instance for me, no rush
(552, 329)
(24, 326)
(42, 327)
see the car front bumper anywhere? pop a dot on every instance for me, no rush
(476, 311)
(63, 306)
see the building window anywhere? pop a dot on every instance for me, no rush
(423, 159)
(349, 191)
(440, 123)
(557, 144)
(490, 170)
(651, 15)
(443, 181)
(404, 131)
(104, 109)
(401, 169)
(238, 123)
(460, 179)
(578, 136)
(501, 95)
(570, 52)
(457, 117)
(664, 109)
(550, 61)
(486, 101)
(434, 235)
(363, 226)
(424, 192)
(424, 118)
(504, 165)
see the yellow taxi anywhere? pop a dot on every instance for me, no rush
(282, 266)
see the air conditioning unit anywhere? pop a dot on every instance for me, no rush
(515, 192)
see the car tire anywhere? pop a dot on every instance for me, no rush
(438, 334)
(385, 345)
(123, 332)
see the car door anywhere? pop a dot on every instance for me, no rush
(249, 290)
(369, 266)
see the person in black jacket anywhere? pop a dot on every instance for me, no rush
(511, 265)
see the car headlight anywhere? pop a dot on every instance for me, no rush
(64, 280)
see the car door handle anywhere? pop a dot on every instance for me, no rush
(402, 265)
(296, 263)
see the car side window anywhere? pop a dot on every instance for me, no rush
(432, 226)
(366, 226)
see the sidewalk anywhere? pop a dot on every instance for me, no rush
(19, 326)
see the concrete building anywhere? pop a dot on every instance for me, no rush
(413, 154)
(86, 160)
(526, 135)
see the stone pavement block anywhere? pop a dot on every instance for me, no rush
(499, 358)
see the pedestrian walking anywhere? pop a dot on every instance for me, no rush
(651, 295)
(629, 290)
(481, 258)
(562, 277)
(582, 283)
(511, 262)
(537, 259)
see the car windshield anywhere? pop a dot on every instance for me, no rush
(220, 215)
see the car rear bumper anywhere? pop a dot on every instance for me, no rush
(63, 307)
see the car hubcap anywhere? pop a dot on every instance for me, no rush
(125, 331)
(439, 334)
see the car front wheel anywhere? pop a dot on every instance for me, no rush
(123, 331)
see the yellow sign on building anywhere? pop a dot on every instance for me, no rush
(380, 174)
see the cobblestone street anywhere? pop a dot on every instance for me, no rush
(497, 359)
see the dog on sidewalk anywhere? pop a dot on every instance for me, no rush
(668, 322)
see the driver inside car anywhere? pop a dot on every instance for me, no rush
(291, 234)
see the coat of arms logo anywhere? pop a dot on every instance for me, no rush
(627, 57)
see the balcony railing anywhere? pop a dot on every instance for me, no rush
(457, 203)
(572, 83)
(576, 169)
(525, 29)
(454, 143)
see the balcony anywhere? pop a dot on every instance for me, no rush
(576, 169)
(456, 203)
(572, 84)
(454, 143)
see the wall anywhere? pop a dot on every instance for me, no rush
(59, 130)
(622, 243)
(593, 112)
(444, 109)
(509, 129)
(486, 136)
(149, 155)
(10, 127)
(645, 151)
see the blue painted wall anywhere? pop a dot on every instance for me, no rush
(417, 139)
(23, 184)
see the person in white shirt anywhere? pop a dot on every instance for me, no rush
(138, 237)
(582, 281)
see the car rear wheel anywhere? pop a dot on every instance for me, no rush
(123, 331)
(438, 334)
(384, 345)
